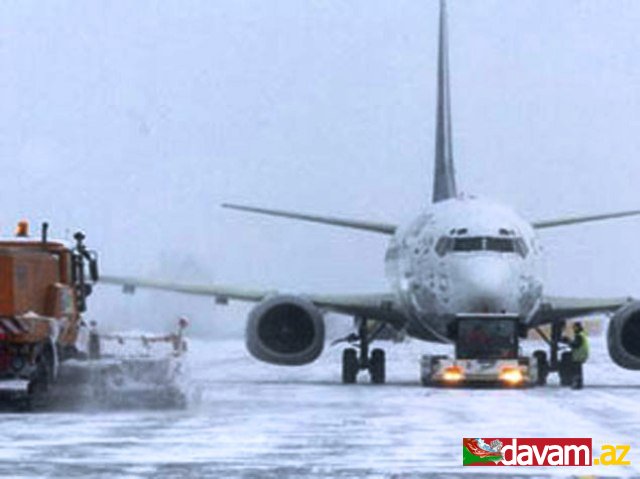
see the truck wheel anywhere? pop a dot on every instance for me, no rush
(350, 366)
(50, 358)
(377, 366)
(543, 366)
(40, 379)
(565, 369)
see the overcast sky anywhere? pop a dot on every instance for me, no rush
(134, 120)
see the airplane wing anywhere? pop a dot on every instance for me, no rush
(573, 220)
(556, 308)
(377, 306)
(376, 227)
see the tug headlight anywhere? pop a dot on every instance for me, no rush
(511, 376)
(453, 374)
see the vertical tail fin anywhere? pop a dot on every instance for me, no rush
(444, 180)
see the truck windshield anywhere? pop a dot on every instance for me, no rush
(487, 338)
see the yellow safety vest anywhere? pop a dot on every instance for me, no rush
(581, 354)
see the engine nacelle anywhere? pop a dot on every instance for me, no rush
(285, 330)
(623, 336)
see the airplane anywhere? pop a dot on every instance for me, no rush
(461, 255)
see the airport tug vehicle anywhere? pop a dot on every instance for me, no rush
(487, 353)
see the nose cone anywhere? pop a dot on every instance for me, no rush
(487, 285)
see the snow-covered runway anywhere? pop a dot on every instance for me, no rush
(256, 420)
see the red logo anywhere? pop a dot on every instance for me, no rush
(501, 451)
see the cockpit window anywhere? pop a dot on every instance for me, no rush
(502, 245)
(482, 243)
(521, 247)
(443, 245)
(468, 244)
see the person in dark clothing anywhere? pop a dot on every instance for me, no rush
(579, 353)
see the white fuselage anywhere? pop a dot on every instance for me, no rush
(464, 255)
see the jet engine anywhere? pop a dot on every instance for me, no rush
(623, 336)
(285, 330)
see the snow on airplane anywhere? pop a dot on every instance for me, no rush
(460, 256)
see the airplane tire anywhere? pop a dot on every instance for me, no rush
(377, 366)
(543, 366)
(565, 369)
(350, 366)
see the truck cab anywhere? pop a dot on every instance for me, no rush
(43, 289)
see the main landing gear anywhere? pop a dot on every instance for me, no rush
(557, 361)
(354, 360)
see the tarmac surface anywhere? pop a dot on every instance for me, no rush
(248, 419)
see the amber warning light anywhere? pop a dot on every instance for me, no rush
(22, 230)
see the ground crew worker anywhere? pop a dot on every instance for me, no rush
(179, 343)
(579, 353)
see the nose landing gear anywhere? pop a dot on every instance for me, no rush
(355, 360)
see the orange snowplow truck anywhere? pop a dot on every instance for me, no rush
(43, 289)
